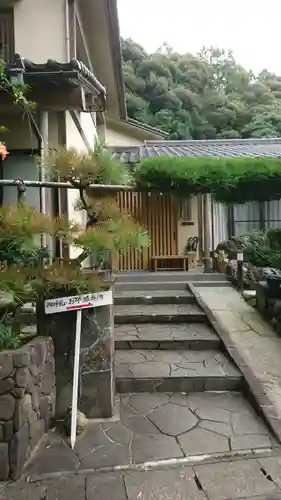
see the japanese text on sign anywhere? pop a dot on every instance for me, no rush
(76, 302)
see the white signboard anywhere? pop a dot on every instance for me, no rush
(77, 302)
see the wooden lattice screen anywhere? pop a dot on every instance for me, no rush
(7, 42)
(156, 213)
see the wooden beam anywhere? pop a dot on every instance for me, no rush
(64, 98)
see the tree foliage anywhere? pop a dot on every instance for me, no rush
(27, 271)
(229, 180)
(203, 96)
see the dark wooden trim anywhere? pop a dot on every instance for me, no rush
(262, 215)
(20, 152)
(7, 19)
(186, 223)
(230, 221)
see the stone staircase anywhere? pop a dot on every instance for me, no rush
(163, 340)
(180, 396)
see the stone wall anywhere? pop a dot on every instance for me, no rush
(27, 402)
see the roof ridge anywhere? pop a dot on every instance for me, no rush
(215, 142)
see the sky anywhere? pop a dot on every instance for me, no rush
(251, 28)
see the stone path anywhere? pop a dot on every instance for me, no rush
(155, 427)
(251, 479)
(176, 384)
(253, 344)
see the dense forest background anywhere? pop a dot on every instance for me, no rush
(203, 96)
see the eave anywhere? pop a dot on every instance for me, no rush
(60, 85)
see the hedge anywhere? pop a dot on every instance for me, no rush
(229, 180)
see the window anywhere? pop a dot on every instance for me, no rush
(186, 210)
(7, 42)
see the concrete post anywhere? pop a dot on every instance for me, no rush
(208, 268)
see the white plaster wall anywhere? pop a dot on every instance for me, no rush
(74, 140)
(114, 138)
(184, 232)
(89, 127)
(53, 129)
(21, 167)
(39, 30)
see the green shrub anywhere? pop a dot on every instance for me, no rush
(240, 243)
(264, 256)
(25, 253)
(273, 237)
(10, 337)
(229, 180)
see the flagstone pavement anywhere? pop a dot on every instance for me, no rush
(252, 479)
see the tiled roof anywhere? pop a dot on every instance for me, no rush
(226, 148)
(74, 70)
(127, 155)
(149, 128)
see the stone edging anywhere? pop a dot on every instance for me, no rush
(253, 386)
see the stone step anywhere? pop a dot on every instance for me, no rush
(212, 283)
(173, 336)
(146, 286)
(154, 297)
(175, 371)
(179, 276)
(162, 313)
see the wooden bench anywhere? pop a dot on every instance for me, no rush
(157, 259)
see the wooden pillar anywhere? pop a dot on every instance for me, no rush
(206, 209)
(262, 215)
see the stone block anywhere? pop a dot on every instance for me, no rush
(18, 451)
(162, 484)
(23, 411)
(52, 403)
(18, 392)
(38, 354)
(261, 297)
(37, 429)
(48, 379)
(6, 365)
(4, 462)
(109, 487)
(35, 397)
(21, 358)
(8, 430)
(241, 479)
(22, 377)
(7, 407)
(6, 385)
(98, 396)
(44, 410)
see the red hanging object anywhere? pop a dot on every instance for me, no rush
(3, 150)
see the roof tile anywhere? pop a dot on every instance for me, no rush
(223, 148)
